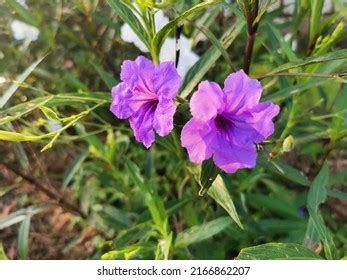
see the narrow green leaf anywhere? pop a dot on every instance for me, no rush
(21, 78)
(279, 207)
(202, 232)
(136, 176)
(128, 16)
(318, 192)
(23, 13)
(324, 234)
(285, 170)
(17, 137)
(3, 256)
(277, 251)
(207, 61)
(19, 216)
(74, 168)
(220, 194)
(335, 55)
(23, 238)
(160, 37)
(107, 78)
(215, 41)
(209, 172)
(290, 91)
(153, 201)
(315, 18)
(337, 194)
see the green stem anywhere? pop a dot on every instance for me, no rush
(155, 55)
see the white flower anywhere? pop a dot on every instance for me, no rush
(128, 35)
(187, 58)
(168, 51)
(22, 3)
(22, 31)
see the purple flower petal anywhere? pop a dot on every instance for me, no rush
(142, 124)
(121, 101)
(255, 125)
(241, 91)
(198, 138)
(206, 101)
(261, 121)
(138, 75)
(166, 80)
(163, 117)
(230, 157)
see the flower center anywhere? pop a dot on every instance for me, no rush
(223, 123)
(152, 105)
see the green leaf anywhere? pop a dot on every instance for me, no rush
(220, 194)
(209, 172)
(315, 18)
(277, 251)
(285, 170)
(335, 55)
(17, 137)
(128, 16)
(207, 61)
(215, 41)
(136, 176)
(337, 194)
(279, 207)
(74, 168)
(316, 195)
(318, 192)
(323, 44)
(22, 12)
(202, 232)
(23, 238)
(19, 216)
(290, 91)
(160, 37)
(153, 201)
(324, 234)
(21, 78)
(104, 75)
(3, 256)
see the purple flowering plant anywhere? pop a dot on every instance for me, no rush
(146, 97)
(228, 123)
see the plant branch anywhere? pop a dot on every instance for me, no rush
(53, 194)
(250, 14)
(319, 75)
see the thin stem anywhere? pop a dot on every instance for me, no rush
(251, 15)
(155, 56)
(319, 75)
(248, 52)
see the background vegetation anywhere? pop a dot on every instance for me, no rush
(74, 184)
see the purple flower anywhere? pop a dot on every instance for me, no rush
(227, 124)
(145, 97)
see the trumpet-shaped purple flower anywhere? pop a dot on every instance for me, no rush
(227, 124)
(145, 97)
